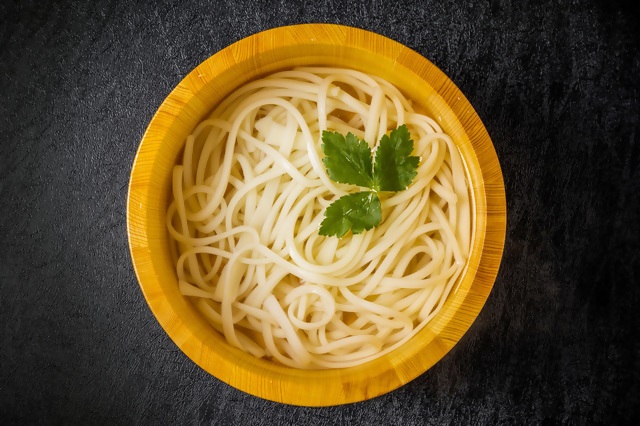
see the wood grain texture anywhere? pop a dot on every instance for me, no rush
(196, 95)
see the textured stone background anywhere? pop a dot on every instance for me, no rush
(557, 86)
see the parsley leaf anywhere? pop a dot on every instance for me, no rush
(359, 212)
(347, 161)
(394, 167)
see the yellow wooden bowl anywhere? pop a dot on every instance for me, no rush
(188, 104)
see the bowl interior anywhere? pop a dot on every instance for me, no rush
(195, 97)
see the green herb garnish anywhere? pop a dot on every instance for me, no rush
(349, 160)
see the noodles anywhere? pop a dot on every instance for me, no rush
(248, 198)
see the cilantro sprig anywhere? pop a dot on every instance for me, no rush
(350, 161)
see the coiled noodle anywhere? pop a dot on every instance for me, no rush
(248, 198)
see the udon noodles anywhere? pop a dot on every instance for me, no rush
(248, 198)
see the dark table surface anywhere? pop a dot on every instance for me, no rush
(557, 86)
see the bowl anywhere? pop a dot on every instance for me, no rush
(196, 95)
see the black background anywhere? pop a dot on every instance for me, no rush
(557, 86)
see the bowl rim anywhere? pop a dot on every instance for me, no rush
(354, 384)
